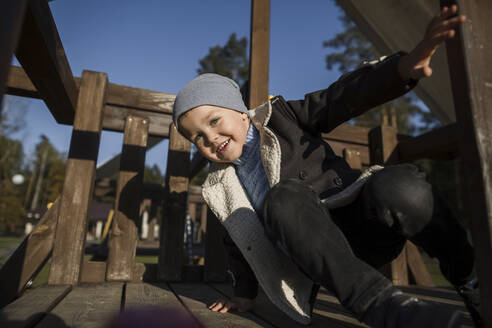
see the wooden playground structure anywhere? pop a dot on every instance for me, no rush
(88, 293)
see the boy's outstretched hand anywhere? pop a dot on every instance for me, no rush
(416, 64)
(236, 303)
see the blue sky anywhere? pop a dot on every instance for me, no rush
(157, 44)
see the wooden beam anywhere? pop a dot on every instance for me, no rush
(11, 19)
(124, 232)
(41, 54)
(348, 133)
(79, 181)
(469, 56)
(440, 143)
(174, 210)
(153, 105)
(29, 257)
(259, 52)
(114, 120)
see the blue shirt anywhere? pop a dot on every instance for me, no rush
(250, 170)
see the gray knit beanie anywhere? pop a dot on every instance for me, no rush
(208, 89)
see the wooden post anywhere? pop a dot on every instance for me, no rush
(353, 158)
(469, 54)
(79, 181)
(124, 233)
(174, 209)
(382, 143)
(11, 18)
(215, 254)
(259, 52)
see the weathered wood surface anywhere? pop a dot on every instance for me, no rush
(215, 253)
(79, 181)
(124, 232)
(29, 257)
(259, 52)
(93, 305)
(31, 308)
(399, 25)
(41, 54)
(93, 271)
(137, 295)
(88, 306)
(174, 209)
(469, 56)
(11, 19)
(196, 298)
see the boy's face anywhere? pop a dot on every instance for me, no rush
(218, 133)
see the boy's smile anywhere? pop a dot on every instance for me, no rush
(218, 133)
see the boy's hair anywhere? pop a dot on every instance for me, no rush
(208, 89)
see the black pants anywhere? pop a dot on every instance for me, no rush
(340, 248)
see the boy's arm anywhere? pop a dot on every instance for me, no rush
(354, 93)
(375, 84)
(244, 282)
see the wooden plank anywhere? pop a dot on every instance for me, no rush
(259, 52)
(29, 257)
(79, 181)
(263, 308)
(31, 308)
(88, 306)
(93, 271)
(196, 298)
(41, 54)
(124, 232)
(137, 295)
(114, 120)
(121, 95)
(19, 84)
(11, 21)
(349, 133)
(174, 209)
(417, 266)
(440, 143)
(469, 54)
(329, 305)
(215, 253)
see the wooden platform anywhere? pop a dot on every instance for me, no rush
(94, 305)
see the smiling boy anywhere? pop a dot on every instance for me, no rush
(298, 216)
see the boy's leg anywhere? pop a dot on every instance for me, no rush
(399, 203)
(295, 219)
